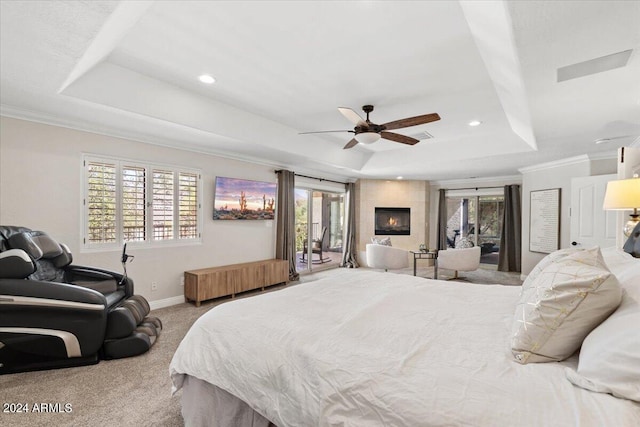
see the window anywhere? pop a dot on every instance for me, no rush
(163, 204)
(132, 202)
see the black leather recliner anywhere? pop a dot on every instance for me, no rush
(54, 314)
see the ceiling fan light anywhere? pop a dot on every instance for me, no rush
(367, 137)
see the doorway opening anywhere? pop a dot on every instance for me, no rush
(319, 229)
(478, 220)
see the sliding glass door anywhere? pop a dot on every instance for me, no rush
(319, 229)
(476, 219)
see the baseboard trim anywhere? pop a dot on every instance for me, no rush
(167, 302)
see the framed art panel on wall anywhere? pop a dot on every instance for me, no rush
(544, 221)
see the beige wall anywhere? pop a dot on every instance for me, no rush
(556, 176)
(40, 188)
(385, 193)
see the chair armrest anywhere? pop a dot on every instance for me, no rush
(51, 291)
(387, 257)
(80, 270)
(465, 259)
(92, 279)
(31, 306)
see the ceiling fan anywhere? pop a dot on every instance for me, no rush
(368, 133)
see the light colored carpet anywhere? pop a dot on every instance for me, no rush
(134, 391)
(485, 275)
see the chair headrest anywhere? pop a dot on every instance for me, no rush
(36, 244)
(15, 264)
(65, 258)
(7, 231)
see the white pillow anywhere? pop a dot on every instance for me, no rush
(384, 241)
(610, 355)
(617, 260)
(566, 300)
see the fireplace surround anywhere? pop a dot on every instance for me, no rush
(392, 221)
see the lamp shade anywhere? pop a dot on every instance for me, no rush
(623, 194)
(367, 137)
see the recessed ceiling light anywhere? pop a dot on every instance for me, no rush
(475, 123)
(206, 78)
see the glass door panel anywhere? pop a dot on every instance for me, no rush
(461, 213)
(336, 221)
(479, 219)
(490, 213)
(319, 228)
(301, 227)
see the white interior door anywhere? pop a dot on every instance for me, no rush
(590, 224)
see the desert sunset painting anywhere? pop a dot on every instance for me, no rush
(244, 199)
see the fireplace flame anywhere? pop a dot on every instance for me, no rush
(393, 222)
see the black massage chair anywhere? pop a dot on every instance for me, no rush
(54, 314)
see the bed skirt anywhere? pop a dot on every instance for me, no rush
(205, 405)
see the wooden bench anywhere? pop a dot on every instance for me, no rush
(208, 283)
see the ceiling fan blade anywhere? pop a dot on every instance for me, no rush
(352, 116)
(396, 137)
(325, 131)
(412, 121)
(351, 144)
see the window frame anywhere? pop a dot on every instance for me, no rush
(149, 241)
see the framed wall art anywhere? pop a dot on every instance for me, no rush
(544, 221)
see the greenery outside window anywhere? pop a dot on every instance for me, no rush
(127, 201)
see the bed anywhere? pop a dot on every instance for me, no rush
(364, 348)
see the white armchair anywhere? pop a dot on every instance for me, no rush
(386, 257)
(464, 259)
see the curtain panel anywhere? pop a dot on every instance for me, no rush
(442, 219)
(349, 259)
(285, 221)
(510, 255)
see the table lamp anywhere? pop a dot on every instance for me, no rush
(623, 195)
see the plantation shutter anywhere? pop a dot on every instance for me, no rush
(188, 205)
(162, 204)
(101, 204)
(133, 203)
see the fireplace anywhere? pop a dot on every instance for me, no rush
(393, 221)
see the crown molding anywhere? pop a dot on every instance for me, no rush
(605, 155)
(554, 164)
(82, 126)
(476, 182)
(569, 161)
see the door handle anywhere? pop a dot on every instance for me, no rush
(574, 243)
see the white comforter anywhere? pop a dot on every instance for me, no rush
(361, 348)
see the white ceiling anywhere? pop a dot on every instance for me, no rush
(130, 69)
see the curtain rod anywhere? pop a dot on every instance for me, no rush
(313, 177)
(473, 188)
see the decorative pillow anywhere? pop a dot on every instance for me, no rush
(385, 241)
(632, 245)
(568, 299)
(545, 262)
(465, 242)
(610, 355)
